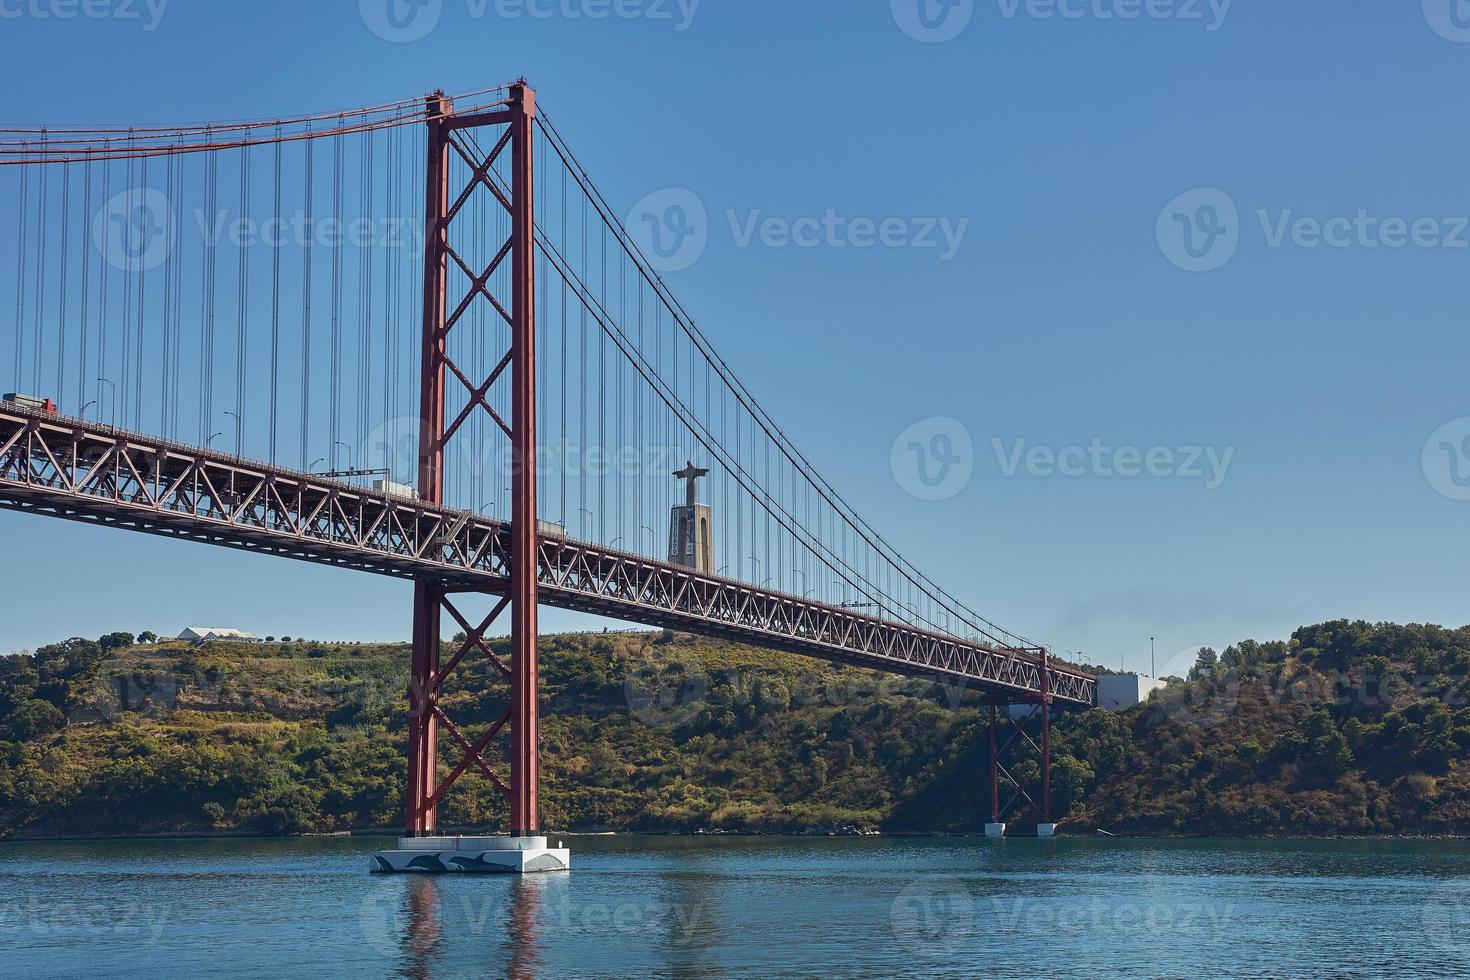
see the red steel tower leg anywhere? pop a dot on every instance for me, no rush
(994, 771)
(423, 726)
(1045, 739)
(525, 737)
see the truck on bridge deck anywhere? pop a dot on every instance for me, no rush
(31, 403)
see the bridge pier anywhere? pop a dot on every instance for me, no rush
(471, 855)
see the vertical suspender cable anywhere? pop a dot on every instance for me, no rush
(242, 306)
(334, 389)
(168, 285)
(86, 269)
(102, 327)
(147, 217)
(61, 304)
(582, 390)
(638, 438)
(178, 311)
(364, 294)
(307, 253)
(207, 297)
(21, 250)
(275, 247)
(562, 382)
(622, 403)
(389, 276)
(40, 273)
(125, 246)
(602, 405)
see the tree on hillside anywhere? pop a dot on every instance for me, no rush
(33, 719)
(1204, 664)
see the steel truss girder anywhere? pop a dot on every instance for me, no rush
(592, 579)
(80, 471)
(83, 471)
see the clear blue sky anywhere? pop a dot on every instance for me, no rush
(1063, 318)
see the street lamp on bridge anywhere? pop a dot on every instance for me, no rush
(114, 399)
(239, 430)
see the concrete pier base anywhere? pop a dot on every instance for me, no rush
(995, 830)
(1046, 830)
(472, 855)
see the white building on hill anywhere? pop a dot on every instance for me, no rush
(1115, 692)
(1119, 692)
(199, 634)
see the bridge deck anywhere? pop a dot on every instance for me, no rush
(84, 471)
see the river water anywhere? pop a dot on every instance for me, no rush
(742, 906)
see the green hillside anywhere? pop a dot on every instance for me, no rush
(1346, 729)
(1349, 728)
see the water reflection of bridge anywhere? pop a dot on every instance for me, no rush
(427, 919)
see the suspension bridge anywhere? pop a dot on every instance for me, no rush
(415, 340)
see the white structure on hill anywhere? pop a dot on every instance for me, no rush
(199, 634)
(1117, 692)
